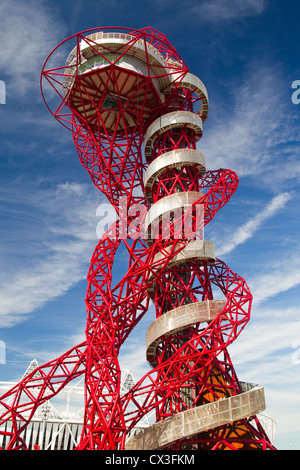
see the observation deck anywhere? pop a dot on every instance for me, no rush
(116, 81)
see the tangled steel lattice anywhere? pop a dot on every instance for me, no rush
(136, 114)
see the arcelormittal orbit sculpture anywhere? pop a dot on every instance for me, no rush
(136, 114)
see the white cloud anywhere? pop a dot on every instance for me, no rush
(61, 226)
(261, 340)
(264, 354)
(218, 10)
(278, 277)
(247, 134)
(247, 230)
(28, 31)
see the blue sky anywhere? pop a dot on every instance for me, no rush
(247, 54)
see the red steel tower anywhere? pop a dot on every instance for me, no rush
(136, 114)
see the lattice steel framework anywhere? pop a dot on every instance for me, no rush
(136, 114)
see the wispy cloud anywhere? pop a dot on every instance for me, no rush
(28, 30)
(264, 354)
(277, 277)
(247, 230)
(220, 10)
(61, 224)
(280, 274)
(260, 340)
(214, 12)
(245, 130)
